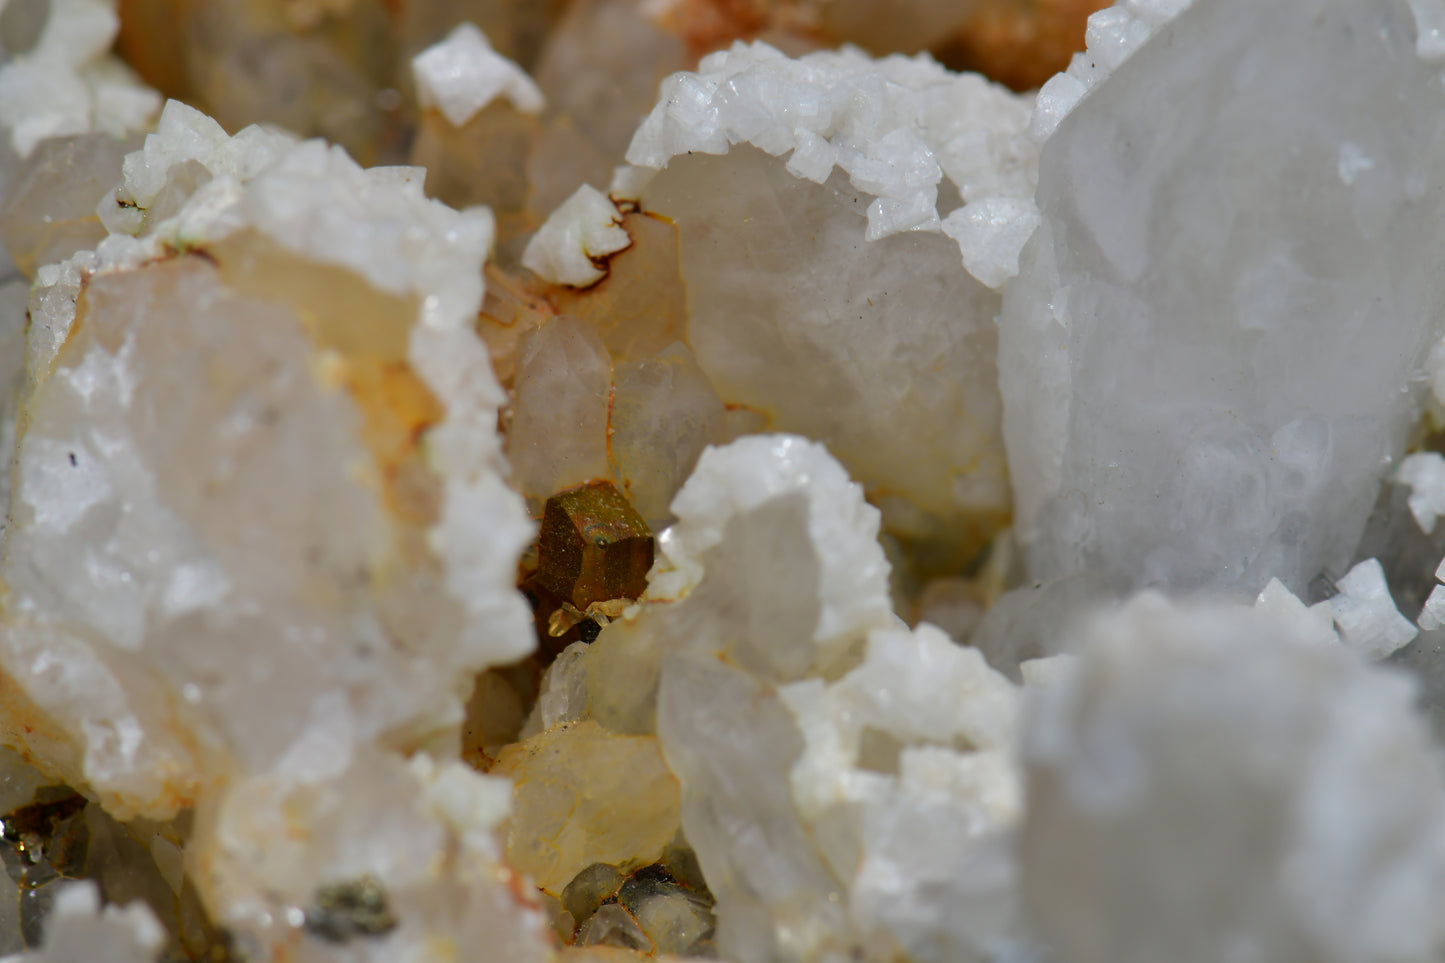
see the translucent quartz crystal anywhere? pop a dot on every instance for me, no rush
(260, 540)
(585, 796)
(664, 413)
(50, 202)
(817, 810)
(639, 305)
(600, 71)
(831, 304)
(1207, 360)
(14, 298)
(558, 435)
(773, 563)
(477, 127)
(480, 162)
(1207, 782)
(244, 62)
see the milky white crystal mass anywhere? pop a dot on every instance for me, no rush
(1366, 614)
(68, 83)
(1207, 780)
(79, 929)
(462, 74)
(1207, 361)
(237, 579)
(1424, 472)
(584, 229)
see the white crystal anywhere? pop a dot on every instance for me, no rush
(584, 230)
(68, 84)
(1113, 35)
(1366, 614)
(80, 929)
(1430, 29)
(841, 526)
(1424, 472)
(1312, 623)
(1143, 444)
(1208, 780)
(916, 124)
(462, 74)
(1432, 616)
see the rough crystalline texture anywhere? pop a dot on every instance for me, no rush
(1207, 362)
(261, 539)
(1208, 784)
(81, 930)
(586, 796)
(65, 83)
(820, 291)
(847, 784)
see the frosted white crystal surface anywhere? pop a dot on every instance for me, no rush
(582, 231)
(1207, 366)
(896, 126)
(68, 84)
(1113, 34)
(228, 535)
(80, 929)
(1368, 619)
(841, 527)
(1208, 779)
(462, 74)
(1424, 472)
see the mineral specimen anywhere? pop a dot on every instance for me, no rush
(731, 553)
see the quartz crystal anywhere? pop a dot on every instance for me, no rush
(1208, 784)
(826, 299)
(1208, 356)
(745, 490)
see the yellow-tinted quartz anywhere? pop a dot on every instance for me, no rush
(584, 795)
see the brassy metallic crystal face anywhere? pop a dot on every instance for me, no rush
(593, 546)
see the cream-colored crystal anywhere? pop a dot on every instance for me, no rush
(584, 796)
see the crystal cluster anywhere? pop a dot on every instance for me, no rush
(595, 480)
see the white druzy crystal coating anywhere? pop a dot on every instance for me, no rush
(843, 528)
(897, 126)
(1207, 780)
(584, 229)
(462, 74)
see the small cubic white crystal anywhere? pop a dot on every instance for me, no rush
(1366, 614)
(584, 229)
(462, 74)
